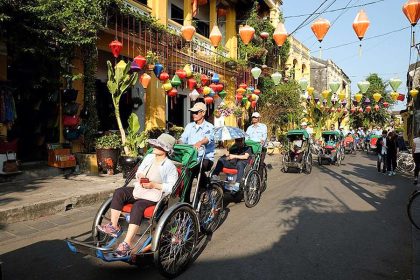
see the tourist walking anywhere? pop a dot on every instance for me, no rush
(392, 149)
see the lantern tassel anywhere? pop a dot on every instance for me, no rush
(360, 50)
(320, 52)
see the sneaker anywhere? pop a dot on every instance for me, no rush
(123, 250)
(109, 229)
(215, 178)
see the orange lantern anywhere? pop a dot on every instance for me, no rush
(411, 10)
(208, 100)
(280, 34)
(145, 80)
(243, 85)
(215, 36)
(361, 24)
(320, 28)
(188, 32)
(247, 33)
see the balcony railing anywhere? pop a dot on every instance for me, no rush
(138, 7)
(201, 44)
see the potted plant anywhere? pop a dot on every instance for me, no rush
(151, 58)
(231, 64)
(238, 113)
(134, 141)
(107, 152)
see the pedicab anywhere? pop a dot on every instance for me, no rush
(372, 143)
(254, 181)
(297, 140)
(331, 150)
(349, 144)
(170, 230)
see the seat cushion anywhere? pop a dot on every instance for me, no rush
(148, 212)
(230, 171)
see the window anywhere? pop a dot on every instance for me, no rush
(203, 28)
(177, 14)
(144, 2)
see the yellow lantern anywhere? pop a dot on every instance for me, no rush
(206, 90)
(414, 93)
(188, 70)
(358, 96)
(325, 94)
(247, 105)
(377, 96)
(167, 86)
(342, 95)
(310, 90)
(394, 95)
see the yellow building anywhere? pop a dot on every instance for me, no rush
(299, 60)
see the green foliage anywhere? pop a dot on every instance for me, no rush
(134, 140)
(119, 80)
(109, 141)
(373, 118)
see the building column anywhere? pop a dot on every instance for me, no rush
(274, 17)
(188, 12)
(159, 10)
(213, 14)
(231, 38)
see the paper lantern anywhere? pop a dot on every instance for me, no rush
(219, 87)
(316, 99)
(395, 83)
(386, 104)
(240, 91)
(361, 24)
(376, 107)
(244, 99)
(116, 47)
(276, 78)
(176, 81)
(215, 78)
(325, 94)
(377, 96)
(243, 85)
(363, 86)
(414, 93)
(141, 61)
(253, 104)
(342, 95)
(188, 32)
(334, 100)
(145, 80)
(188, 70)
(401, 97)
(367, 101)
(215, 36)
(338, 110)
(257, 91)
(167, 86)
(353, 110)
(204, 80)
(411, 10)
(181, 73)
(358, 96)
(194, 95)
(158, 69)
(303, 83)
(280, 34)
(206, 90)
(250, 89)
(213, 86)
(345, 111)
(360, 110)
(163, 76)
(264, 35)
(246, 33)
(368, 109)
(222, 94)
(256, 72)
(192, 83)
(173, 92)
(344, 103)
(320, 28)
(334, 86)
(310, 90)
(221, 12)
(134, 67)
(247, 105)
(238, 97)
(394, 95)
(212, 93)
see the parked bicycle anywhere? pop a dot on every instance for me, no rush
(413, 209)
(405, 163)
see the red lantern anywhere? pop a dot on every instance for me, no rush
(254, 104)
(192, 83)
(208, 100)
(173, 92)
(163, 76)
(338, 110)
(376, 107)
(332, 110)
(238, 97)
(386, 104)
(264, 35)
(401, 97)
(368, 109)
(181, 73)
(116, 47)
(353, 110)
(257, 91)
(204, 80)
(200, 90)
(320, 28)
(247, 33)
(221, 12)
(361, 24)
(219, 87)
(213, 86)
(140, 60)
(411, 10)
(243, 85)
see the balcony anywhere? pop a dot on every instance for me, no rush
(201, 44)
(138, 7)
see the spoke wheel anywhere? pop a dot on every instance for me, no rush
(104, 217)
(308, 164)
(413, 209)
(263, 175)
(211, 206)
(177, 242)
(252, 189)
(284, 165)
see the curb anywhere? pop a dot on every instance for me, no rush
(45, 208)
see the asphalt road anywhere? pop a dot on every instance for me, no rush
(345, 222)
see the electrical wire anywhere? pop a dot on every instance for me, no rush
(301, 25)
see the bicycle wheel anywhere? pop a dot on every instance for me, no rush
(252, 189)
(308, 164)
(176, 242)
(263, 175)
(210, 207)
(413, 209)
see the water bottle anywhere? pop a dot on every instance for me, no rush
(127, 218)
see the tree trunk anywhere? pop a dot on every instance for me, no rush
(121, 128)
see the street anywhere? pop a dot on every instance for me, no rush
(346, 222)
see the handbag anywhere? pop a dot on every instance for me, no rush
(70, 108)
(70, 121)
(10, 165)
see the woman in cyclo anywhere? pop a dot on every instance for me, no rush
(349, 141)
(296, 148)
(236, 158)
(155, 177)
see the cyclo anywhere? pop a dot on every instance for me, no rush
(171, 227)
(349, 144)
(373, 142)
(292, 158)
(331, 149)
(254, 181)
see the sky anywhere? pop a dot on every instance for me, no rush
(387, 56)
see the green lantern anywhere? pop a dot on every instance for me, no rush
(176, 81)
(276, 78)
(303, 83)
(334, 86)
(363, 86)
(222, 94)
(395, 83)
(244, 99)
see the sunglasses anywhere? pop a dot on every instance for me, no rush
(195, 113)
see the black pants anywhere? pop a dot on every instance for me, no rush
(416, 157)
(207, 165)
(124, 196)
(391, 161)
(382, 160)
(224, 162)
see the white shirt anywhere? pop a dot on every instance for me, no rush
(417, 142)
(218, 122)
(384, 148)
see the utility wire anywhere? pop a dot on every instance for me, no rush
(301, 25)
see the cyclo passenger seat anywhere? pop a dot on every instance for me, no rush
(230, 171)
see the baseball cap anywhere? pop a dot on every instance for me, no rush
(304, 123)
(199, 106)
(256, 115)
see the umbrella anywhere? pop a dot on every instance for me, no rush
(228, 133)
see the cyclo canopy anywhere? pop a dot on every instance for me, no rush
(292, 133)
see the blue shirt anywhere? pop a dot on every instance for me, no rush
(257, 132)
(194, 133)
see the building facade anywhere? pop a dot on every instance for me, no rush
(299, 60)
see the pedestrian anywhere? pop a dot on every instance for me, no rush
(401, 143)
(199, 133)
(391, 156)
(257, 131)
(381, 152)
(416, 156)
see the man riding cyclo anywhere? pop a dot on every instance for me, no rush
(297, 148)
